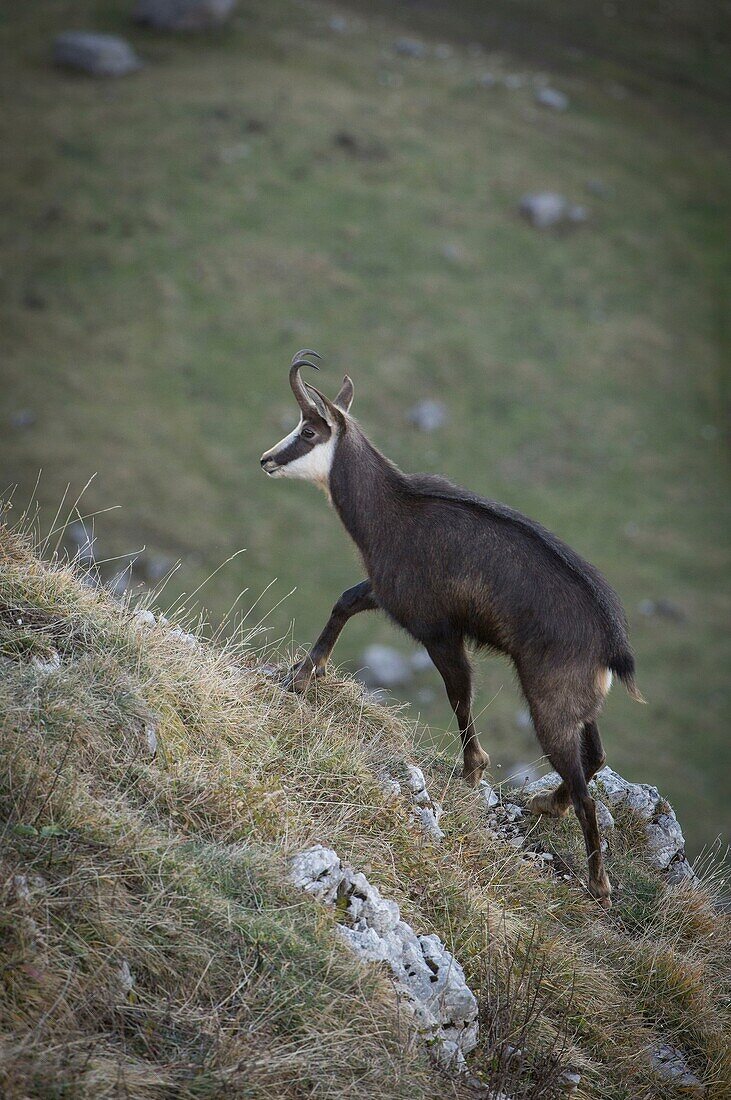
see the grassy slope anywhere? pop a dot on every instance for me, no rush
(180, 258)
(173, 864)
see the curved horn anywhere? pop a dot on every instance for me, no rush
(306, 351)
(298, 388)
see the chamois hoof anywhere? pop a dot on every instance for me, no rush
(602, 893)
(473, 769)
(544, 803)
(297, 679)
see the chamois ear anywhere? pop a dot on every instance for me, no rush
(327, 410)
(316, 398)
(345, 395)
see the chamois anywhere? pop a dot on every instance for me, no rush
(451, 567)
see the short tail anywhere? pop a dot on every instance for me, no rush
(624, 667)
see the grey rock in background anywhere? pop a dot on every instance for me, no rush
(598, 187)
(82, 537)
(421, 661)
(183, 15)
(547, 209)
(409, 47)
(662, 608)
(384, 667)
(428, 415)
(23, 418)
(551, 97)
(95, 54)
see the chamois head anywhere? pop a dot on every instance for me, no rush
(307, 452)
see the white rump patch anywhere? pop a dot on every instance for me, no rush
(604, 680)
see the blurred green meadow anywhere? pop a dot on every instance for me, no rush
(170, 238)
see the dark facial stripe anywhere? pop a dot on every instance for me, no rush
(296, 449)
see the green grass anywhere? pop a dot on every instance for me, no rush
(186, 229)
(173, 863)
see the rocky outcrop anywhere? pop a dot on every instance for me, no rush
(429, 982)
(665, 840)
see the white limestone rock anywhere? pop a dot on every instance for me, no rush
(48, 664)
(125, 977)
(391, 788)
(488, 794)
(426, 811)
(639, 797)
(428, 979)
(144, 618)
(428, 818)
(366, 908)
(318, 872)
(603, 816)
(665, 840)
(415, 781)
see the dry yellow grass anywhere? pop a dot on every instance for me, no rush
(149, 943)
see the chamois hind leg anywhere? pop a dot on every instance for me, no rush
(563, 703)
(555, 803)
(450, 657)
(564, 750)
(358, 598)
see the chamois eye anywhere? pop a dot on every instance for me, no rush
(308, 433)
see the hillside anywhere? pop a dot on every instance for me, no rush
(170, 238)
(154, 790)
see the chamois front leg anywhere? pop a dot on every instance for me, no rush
(450, 658)
(353, 600)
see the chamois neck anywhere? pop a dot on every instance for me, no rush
(364, 487)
